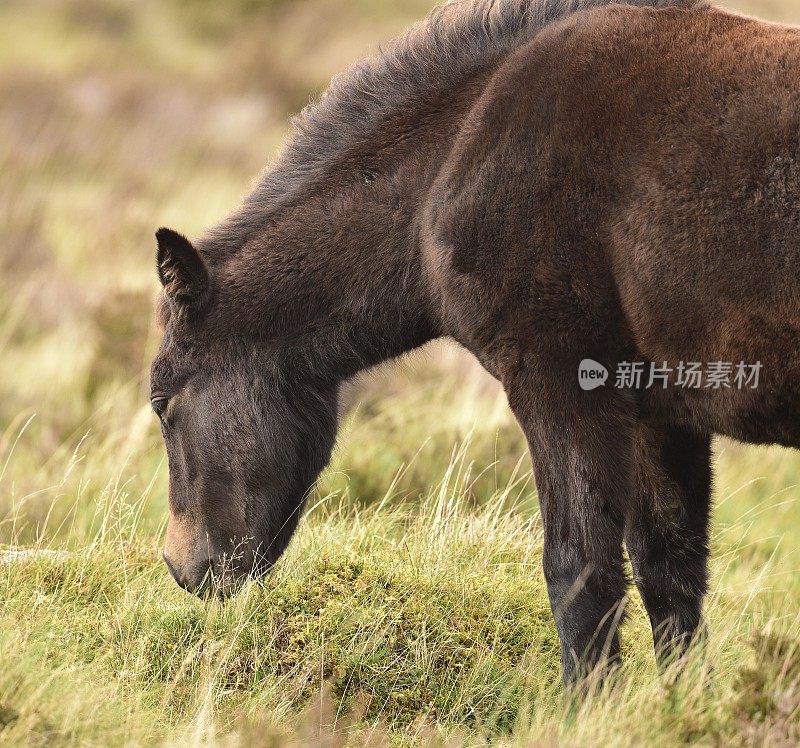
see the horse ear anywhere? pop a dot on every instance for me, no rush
(181, 270)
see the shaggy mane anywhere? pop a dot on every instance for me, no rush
(457, 39)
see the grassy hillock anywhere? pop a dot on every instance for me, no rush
(401, 624)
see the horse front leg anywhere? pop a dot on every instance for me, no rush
(582, 446)
(666, 533)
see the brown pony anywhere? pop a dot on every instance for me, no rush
(568, 188)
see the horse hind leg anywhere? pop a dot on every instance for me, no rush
(666, 534)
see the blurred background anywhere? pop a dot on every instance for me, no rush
(119, 116)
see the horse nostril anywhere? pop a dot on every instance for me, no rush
(196, 580)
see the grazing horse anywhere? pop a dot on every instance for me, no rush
(564, 187)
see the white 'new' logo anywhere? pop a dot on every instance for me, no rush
(591, 375)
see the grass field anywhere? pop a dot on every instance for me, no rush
(411, 607)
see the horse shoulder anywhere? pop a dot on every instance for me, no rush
(512, 224)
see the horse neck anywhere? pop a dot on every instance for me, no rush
(337, 276)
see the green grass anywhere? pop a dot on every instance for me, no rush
(411, 607)
(429, 617)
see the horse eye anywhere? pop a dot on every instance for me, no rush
(369, 176)
(159, 405)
